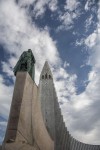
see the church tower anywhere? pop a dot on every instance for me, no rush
(50, 109)
(47, 96)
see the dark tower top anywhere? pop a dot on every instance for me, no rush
(26, 63)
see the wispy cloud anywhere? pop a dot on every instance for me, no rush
(72, 5)
(91, 5)
(38, 7)
(79, 42)
(71, 12)
(91, 40)
(88, 22)
(5, 99)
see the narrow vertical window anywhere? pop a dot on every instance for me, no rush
(46, 76)
(42, 76)
(49, 77)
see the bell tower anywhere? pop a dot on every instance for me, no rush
(46, 97)
(50, 109)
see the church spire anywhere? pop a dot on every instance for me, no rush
(46, 72)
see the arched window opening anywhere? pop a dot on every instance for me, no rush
(42, 76)
(46, 76)
(49, 77)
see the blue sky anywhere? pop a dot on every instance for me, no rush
(67, 34)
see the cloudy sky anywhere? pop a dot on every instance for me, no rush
(66, 33)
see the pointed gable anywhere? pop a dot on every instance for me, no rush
(46, 72)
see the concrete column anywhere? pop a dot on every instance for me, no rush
(62, 133)
(75, 145)
(88, 146)
(81, 146)
(84, 147)
(68, 138)
(93, 147)
(78, 145)
(58, 131)
(64, 139)
(71, 143)
(98, 147)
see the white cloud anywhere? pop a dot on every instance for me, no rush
(67, 18)
(71, 5)
(86, 6)
(53, 5)
(23, 3)
(7, 68)
(66, 64)
(71, 13)
(79, 42)
(5, 99)
(88, 22)
(91, 40)
(91, 5)
(39, 6)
